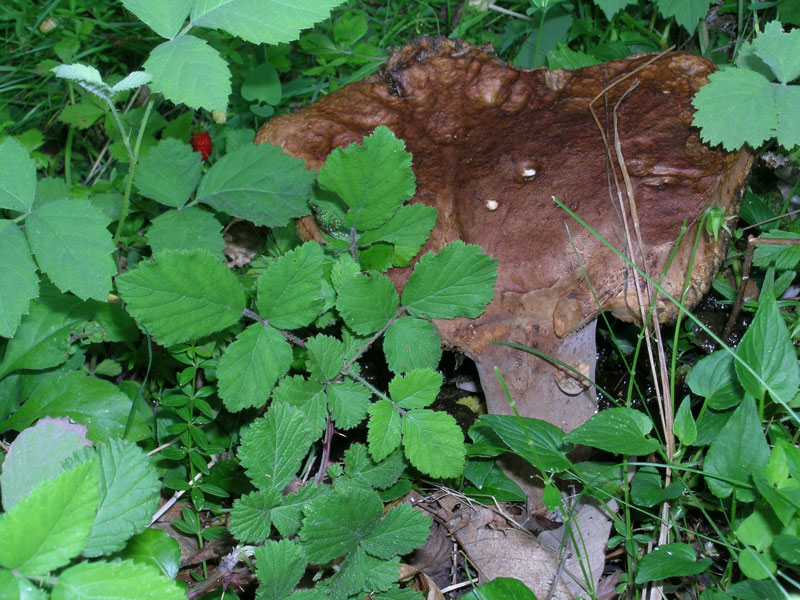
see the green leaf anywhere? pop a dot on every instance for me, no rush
(131, 81)
(73, 247)
(416, 389)
(788, 548)
(262, 84)
(186, 229)
(408, 229)
(687, 14)
(756, 590)
(348, 402)
(780, 51)
(182, 295)
(714, 378)
(325, 357)
(670, 560)
(373, 179)
(251, 365)
(165, 18)
(738, 449)
(129, 493)
(81, 115)
(250, 516)
(19, 283)
(767, 349)
(411, 343)
(617, 430)
(647, 488)
(433, 442)
(779, 256)
(540, 443)
(279, 567)
(258, 183)
(361, 573)
(274, 446)
(612, 7)
(501, 588)
(684, 426)
(379, 475)
(336, 524)
(157, 548)
(261, 21)
(115, 581)
(384, 429)
(50, 526)
(402, 530)
(367, 301)
(189, 71)
(456, 282)
(306, 395)
(155, 175)
(290, 290)
(17, 176)
(37, 454)
(85, 76)
(787, 104)
(286, 517)
(734, 108)
(96, 403)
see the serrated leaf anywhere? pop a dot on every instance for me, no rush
(165, 18)
(384, 429)
(735, 107)
(354, 572)
(17, 176)
(408, 229)
(714, 378)
(336, 524)
(325, 357)
(411, 343)
(290, 290)
(186, 229)
(617, 430)
(433, 443)
(780, 51)
(787, 104)
(670, 560)
(85, 76)
(379, 475)
(402, 530)
(261, 21)
(286, 517)
(456, 282)
(182, 295)
(373, 179)
(251, 365)
(687, 14)
(306, 395)
(415, 389)
(155, 175)
(115, 580)
(50, 526)
(250, 515)
(767, 349)
(258, 183)
(274, 446)
(189, 71)
(348, 402)
(367, 301)
(542, 444)
(19, 283)
(279, 567)
(73, 247)
(131, 81)
(612, 7)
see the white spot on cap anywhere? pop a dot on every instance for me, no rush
(491, 204)
(528, 173)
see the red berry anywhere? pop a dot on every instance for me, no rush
(201, 142)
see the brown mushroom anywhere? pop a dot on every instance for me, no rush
(492, 145)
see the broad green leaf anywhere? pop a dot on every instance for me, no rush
(16, 587)
(274, 446)
(85, 76)
(279, 567)
(250, 516)
(131, 81)
(734, 108)
(415, 389)
(402, 530)
(19, 283)
(157, 548)
(493, 482)
(612, 7)
(17, 176)
(367, 301)
(377, 257)
(251, 365)
(286, 517)
(780, 51)
(186, 229)
(360, 572)
(384, 429)
(563, 57)
(73, 247)
(258, 183)
(373, 179)
(779, 256)
(687, 14)
(129, 493)
(182, 295)
(165, 18)
(306, 395)
(456, 282)
(348, 402)
(37, 454)
(156, 173)
(261, 21)
(189, 71)
(714, 378)
(788, 548)
(756, 590)
(738, 449)
(647, 488)
(758, 529)
(617, 430)
(290, 290)
(670, 560)
(540, 443)
(81, 115)
(325, 357)
(756, 565)
(411, 343)
(337, 523)
(787, 104)
(407, 230)
(115, 581)
(767, 349)
(433, 443)
(684, 426)
(379, 475)
(96, 403)
(501, 588)
(50, 526)
(262, 84)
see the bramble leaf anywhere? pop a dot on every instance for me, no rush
(367, 317)
(348, 402)
(434, 443)
(415, 389)
(165, 18)
(251, 365)
(182, 295)
(411, 343)
(118, 579)
(407, 230)
(379, 475)
(787, 105)
(279, 566)
(456, 282)
(612, 7)
(157, 548)
(286, 517)
(306, 395)
(779, 50)
(155, 175)
(17, 176)
(325, 357)
(19, 283)
(399, 532)
(686, 14)
(186, 229)
(384, 429)
(250, 515)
